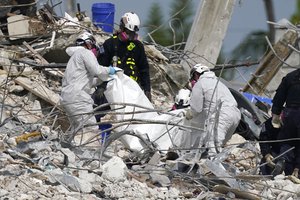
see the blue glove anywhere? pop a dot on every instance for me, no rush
(112, 70)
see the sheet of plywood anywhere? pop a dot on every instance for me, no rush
(271, 64)
(38, 89)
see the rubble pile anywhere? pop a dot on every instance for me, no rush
(35, 164)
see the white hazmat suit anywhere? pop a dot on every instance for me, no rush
(81, 75)
(206, 95)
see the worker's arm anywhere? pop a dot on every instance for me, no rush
(280, 97)
(143, 67)
(92, 66)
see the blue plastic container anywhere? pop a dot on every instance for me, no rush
(104, 131)
(103, 15)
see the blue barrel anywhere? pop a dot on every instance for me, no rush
(103, 16)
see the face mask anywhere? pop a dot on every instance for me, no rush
(95, 52)
(193, 82)
(128, 37)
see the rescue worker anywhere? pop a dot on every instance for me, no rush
(182, 99)
(207, 94)
(81, 74)
(270, 149)
(288, 93)
(125, 51)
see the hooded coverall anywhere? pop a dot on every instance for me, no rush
(81, 74)
(206, 95)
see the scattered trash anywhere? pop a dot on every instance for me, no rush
(28, 136)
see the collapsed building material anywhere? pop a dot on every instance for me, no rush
(271, 63)
(20, 26)
(39, 90)
(237, 193)
(42, 168)
(207, 33)
(6, 56)
(42, 60)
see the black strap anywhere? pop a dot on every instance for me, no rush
(116, 40)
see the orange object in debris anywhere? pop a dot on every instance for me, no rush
(26, 136)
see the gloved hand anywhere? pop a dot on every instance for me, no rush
(189, 114)
(269, 159)
(295, 172)
(148, 95)
(112, 70)
(276, 122)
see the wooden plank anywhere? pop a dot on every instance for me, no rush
(270, 64)
(238, 193)
(36, 54)
(43, 61)
(39, 90)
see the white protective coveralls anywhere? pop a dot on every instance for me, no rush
(206, 95)
(81, 75)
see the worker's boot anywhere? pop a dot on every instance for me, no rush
(279, 167)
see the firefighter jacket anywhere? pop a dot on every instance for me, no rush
(131, 57)
(288, 92)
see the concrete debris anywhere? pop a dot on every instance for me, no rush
(36, 163)
(161, 180)
(73, 183)
(114, 170)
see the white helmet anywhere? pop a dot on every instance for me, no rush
(183, 97)
(130, 21)
(200, 68)
(85, 37)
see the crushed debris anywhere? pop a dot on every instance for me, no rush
(36, 163)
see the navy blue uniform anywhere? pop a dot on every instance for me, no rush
(288, 93)
(269, 133)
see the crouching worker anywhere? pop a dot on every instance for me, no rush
(80, 75)
(270, 148)
(207, 94)
(286, 102)
(182, 99)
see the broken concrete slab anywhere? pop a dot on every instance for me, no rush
(73, 183)
(114, 170)
(162, 180)
(18, 27)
